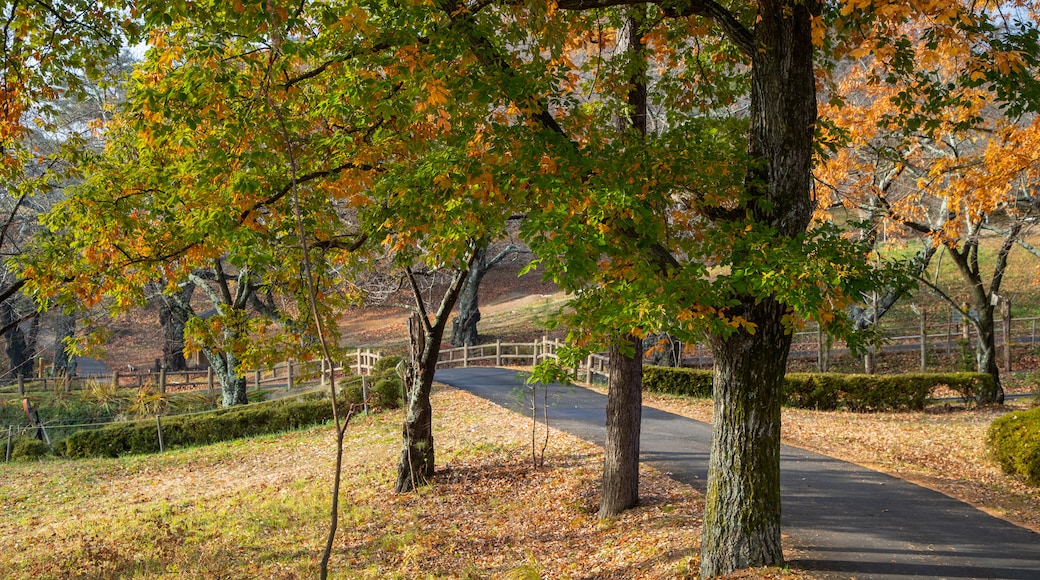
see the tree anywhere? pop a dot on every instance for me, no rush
(173, 323)
(464, 325)
(750, 233)
(434, 120)
(958, 164)
(416, 466)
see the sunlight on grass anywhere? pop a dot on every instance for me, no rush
(258, 508)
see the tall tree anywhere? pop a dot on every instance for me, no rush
(939, 169)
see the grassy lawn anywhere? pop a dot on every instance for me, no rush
(258, 509)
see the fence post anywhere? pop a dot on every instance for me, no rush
(323, 371)
(1032, 336)
(158, 426)
(819, 348)
(209, 379)
(115, 380)
(359, 361)
(588, 369)
(949, 334)
(162, 380)
(1005, 311)
(364, 393)
(465, 356)
(21, 386)
(8, 456)
(256, 379)
(924, 339)
(289, 379)
(498, 352)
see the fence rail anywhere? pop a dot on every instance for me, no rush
(934, 333)
(518, 354)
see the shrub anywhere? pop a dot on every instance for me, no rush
(1014, 441)
(387, 363)
(677, 381)
(831, 391)
(353, 392)
(389, 391)
(29, 449)
(204, 428)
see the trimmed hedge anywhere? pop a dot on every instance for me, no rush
(201, 429)
(831, 391)
(1014, 441)
(677, 381)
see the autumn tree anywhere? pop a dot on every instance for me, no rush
(940, 168)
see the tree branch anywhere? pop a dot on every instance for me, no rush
(737, 33)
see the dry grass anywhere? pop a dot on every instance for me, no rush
(258, 509)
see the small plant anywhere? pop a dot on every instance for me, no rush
(148, 403)
(103, 395)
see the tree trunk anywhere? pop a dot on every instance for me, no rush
(464, 327)
(232, 385)
(416, 465)
(986, 353)
(417, 454)
(742, 512)
(620, 489)
(19, 357)
(65, 328)
(173, 330)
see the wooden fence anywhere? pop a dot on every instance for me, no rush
(500, 353)
(943, 332)
(286, 374)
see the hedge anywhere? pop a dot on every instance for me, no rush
(200, 429)
(1014, 441)
(831, 391)
(677, 381)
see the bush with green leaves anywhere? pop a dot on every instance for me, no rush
(27, 449)
(832, 391)
(387, 385)
(1014, 441)
(677, 381)
(199, 429)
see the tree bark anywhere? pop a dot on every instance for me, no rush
(65, 328)
(233, 387)
(417, 454)
(416, 466)
(620, 488)
(19, 357)
(742, 511)
(986, 355)
(464, 327)
(173, 330)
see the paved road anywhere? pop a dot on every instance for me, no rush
(849, 522)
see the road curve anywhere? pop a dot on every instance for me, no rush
(845, 521)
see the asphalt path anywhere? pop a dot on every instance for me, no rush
(843, 520)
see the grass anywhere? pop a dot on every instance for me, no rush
(258, 509)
